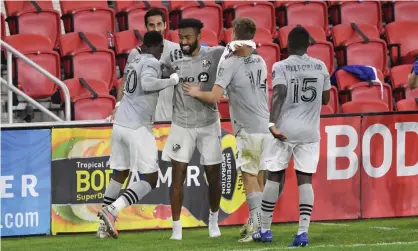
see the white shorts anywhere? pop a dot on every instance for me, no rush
(249, 149)
(134, 150)
(277, 155)
(181, 143)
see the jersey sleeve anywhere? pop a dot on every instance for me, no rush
(327, 81)
(217, 54)
(277, 75)
(226, 72)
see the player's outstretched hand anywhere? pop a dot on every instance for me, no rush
(277, 134)
(191, 89)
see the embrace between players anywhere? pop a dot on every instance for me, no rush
(154, 85)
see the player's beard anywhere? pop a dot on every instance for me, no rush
(191, 49)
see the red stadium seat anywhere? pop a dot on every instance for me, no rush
(319, 48)
(3, 27)
(326, 109)
(125, 41)
(37, 42)
(39, 50)
(270, 52)
(345, 79)
(400, 11)
(33, 17)
(305, 13)
(262, 13)
(399, 79)
(209, 37)
(80, 87)
(131, 14)
(333, 99)
(411, 93)
(402, 39)
(88, 16)
(93, 108)
(410, 104)
(365, 91)
(209, 13)
(88, 59)
(359, 12)
(223, 107)
(365, 106)
(345, 33)
(262, 35)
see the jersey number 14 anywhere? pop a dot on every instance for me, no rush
(308, 92)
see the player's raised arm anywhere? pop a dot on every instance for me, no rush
(151, 72)
(225, 74)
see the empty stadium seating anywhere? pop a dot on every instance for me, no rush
(326, 109)
(400, 11)
(305, 13)
(209, 37)
(409, 104)
(88, 16)
(3, 27)
(130, 14)
(39, 50)
(333, 105)
(80, 87)
(371, 91)
(365, 106)
(90, 108)
(262, 35)
(399, 79)
(209, 13)
(359, 12)
(85, 55)
(402, 40)
(263, 14)
(125, 41)
(33, 17)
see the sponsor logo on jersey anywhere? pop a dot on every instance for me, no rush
(203, 77)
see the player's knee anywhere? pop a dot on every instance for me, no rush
(120, 176)
(276, 176)
(303, 178)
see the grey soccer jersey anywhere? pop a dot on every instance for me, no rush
(245, 80)
(137, 106)
(164, 108)
(306, 78)
(190, 112)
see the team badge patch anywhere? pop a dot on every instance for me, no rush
(203, 77)
(206, 63)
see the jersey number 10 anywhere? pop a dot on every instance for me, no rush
(308, 93)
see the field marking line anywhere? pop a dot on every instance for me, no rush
(336, 246)
(385, 228)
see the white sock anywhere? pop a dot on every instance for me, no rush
(270, 195)
(213, 216)
(306, 201)
(177, 231)
(135, 192)
(254, 204)
(112, 192)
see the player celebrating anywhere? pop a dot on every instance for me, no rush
(244, 76)
(133, 126)
(301, 84)
(155, 21)
(195, 123)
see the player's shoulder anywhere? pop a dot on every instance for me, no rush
(169, 45)
(214, 50)
(152, 62)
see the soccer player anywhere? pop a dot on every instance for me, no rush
(195, 123)
(300, 86)
(155, 21)
(134, 118)
(244, 76)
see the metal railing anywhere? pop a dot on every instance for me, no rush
(9, 84)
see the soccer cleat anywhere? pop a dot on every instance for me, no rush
(214, 230)
(245, 229)
(109, 220)
(263, 237)
(249, 236)
(102, 231)
(300, 240)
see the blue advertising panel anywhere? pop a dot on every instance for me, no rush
(25, 182)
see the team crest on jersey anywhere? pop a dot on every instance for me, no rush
(203, 77)
(206, 63)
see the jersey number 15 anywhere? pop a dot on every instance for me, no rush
(308, 92)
